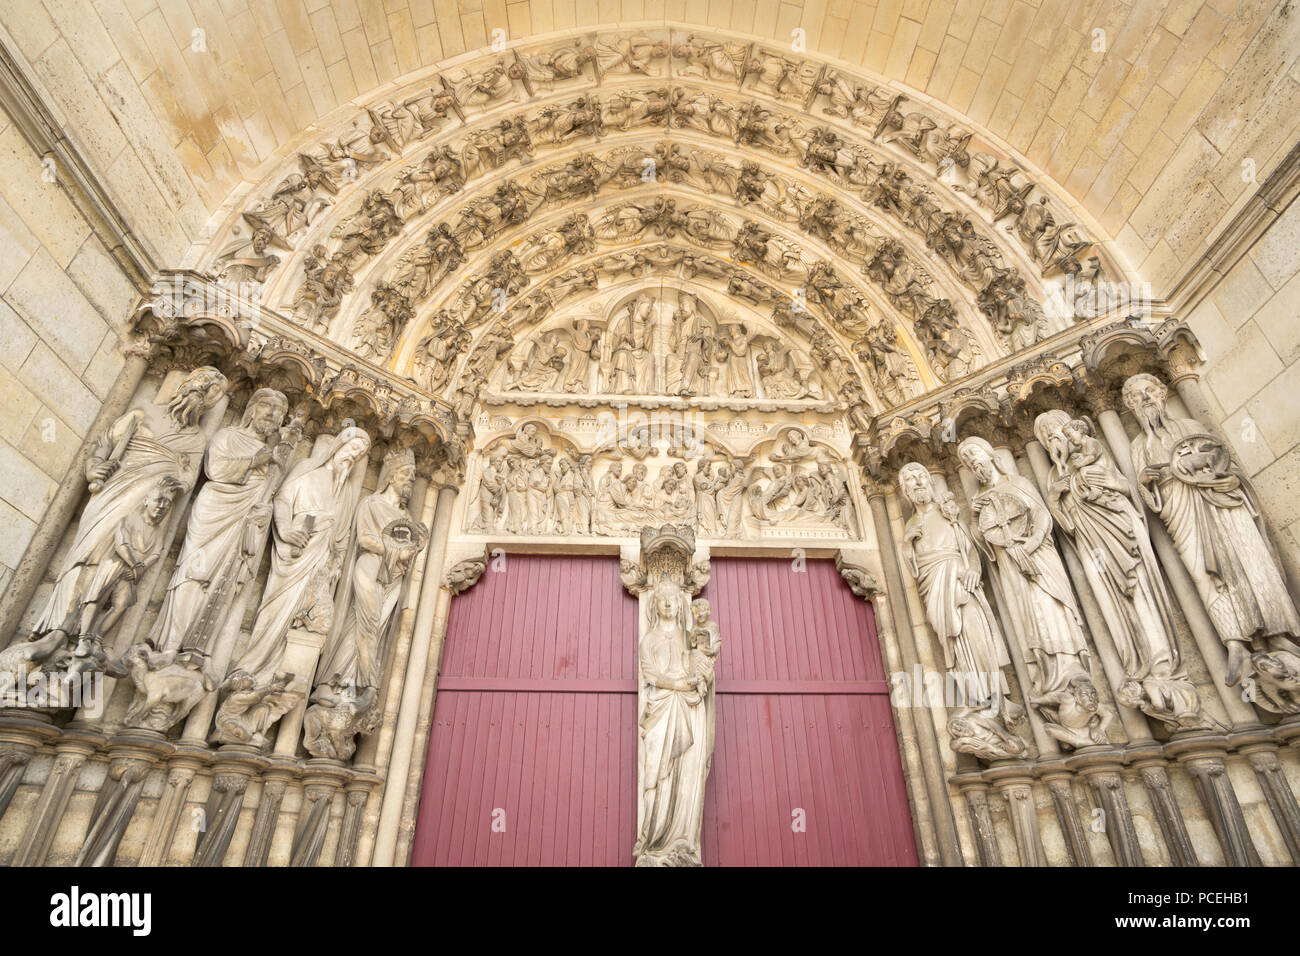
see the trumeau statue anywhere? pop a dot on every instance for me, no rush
(1091, 502)
(146, 459)
(312, 524)
(677, 653)
(345, 701)
(1013, 525)
(1188, 478)
(941, 555)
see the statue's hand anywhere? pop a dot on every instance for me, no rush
(1153, 473)
(970, 579)
(297, 537)
(101, 471)
(262, 457)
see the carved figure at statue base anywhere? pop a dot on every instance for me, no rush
(168, 684)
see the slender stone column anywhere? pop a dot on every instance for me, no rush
(1204, 758)
(1016, 786)
(275, 780)
(928, 738)
(235, 766)
(399, 765)
(21, 733)
(976, 792)
(117, 799)
(72, 750)
(1103, 771)
(320, 784)
(1277, 792)
(167, 815)
(1169, 816)
(358, 791)
(1060, 784)
(50, 529)
(419, 742)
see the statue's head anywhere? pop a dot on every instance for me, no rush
(916, 483)
(701, 611)
(1145, 395)
(349, 446)
(665, 601)
(977, 455)
(200, 390)
(1084, 692)
(265, 412)
(1049, 429)
(398, 472)
(161, 498)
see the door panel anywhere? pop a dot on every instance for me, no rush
(804, 724)
(535, 721)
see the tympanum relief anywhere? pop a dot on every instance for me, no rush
(668, 343)
(534, 484)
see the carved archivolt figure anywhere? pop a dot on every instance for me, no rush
(941, 555)
(1013, 525)
(1187, 476)
(1091, 502)
(143, 447)
(676, 727)
(352, 664)
(312, 522)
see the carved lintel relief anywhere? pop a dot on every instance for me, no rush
(677, 652)
(536, 483)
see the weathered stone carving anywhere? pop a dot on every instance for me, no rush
(677, 652)
(1091, 502)
(941, 555)
(312, 521)
(1013, 525)
(1187, 477)
(139, 467)
(345, 700)
(167, 683)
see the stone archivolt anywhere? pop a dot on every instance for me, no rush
(421, 181)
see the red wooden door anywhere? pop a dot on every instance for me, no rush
(805, 731)
(532, 754)
(535, 724)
